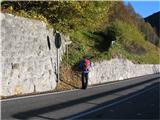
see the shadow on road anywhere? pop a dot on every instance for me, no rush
(121, 113)
(38, 112)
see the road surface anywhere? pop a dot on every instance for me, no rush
(136, 98)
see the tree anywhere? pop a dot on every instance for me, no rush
(66, 15)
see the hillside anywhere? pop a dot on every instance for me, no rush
(93, 27)
(154, 20)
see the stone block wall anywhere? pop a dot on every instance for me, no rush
(119, 69)
(27, 64)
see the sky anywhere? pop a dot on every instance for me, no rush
(145, 8)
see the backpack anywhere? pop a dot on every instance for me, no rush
(86, 64)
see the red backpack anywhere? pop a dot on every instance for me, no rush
(86, 64)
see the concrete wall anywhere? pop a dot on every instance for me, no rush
(27, 63)
(119, 69)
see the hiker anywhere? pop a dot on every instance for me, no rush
(85, 66)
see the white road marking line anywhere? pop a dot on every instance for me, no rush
(109, 105)
(45, 94)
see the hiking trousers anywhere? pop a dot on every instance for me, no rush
(84, 80)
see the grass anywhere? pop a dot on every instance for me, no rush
(129, 43)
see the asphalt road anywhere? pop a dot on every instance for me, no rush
(136, 98)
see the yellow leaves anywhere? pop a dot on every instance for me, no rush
(78, 7)
(10, 8)
(86, 15)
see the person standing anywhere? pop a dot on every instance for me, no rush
(85, 66)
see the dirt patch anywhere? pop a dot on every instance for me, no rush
(69, 79)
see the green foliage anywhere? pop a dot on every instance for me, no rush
(154, 21)
(130, 44)
(92, 25)
(127, 14)
(65, 16)
(79, 48)
(149, 32)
